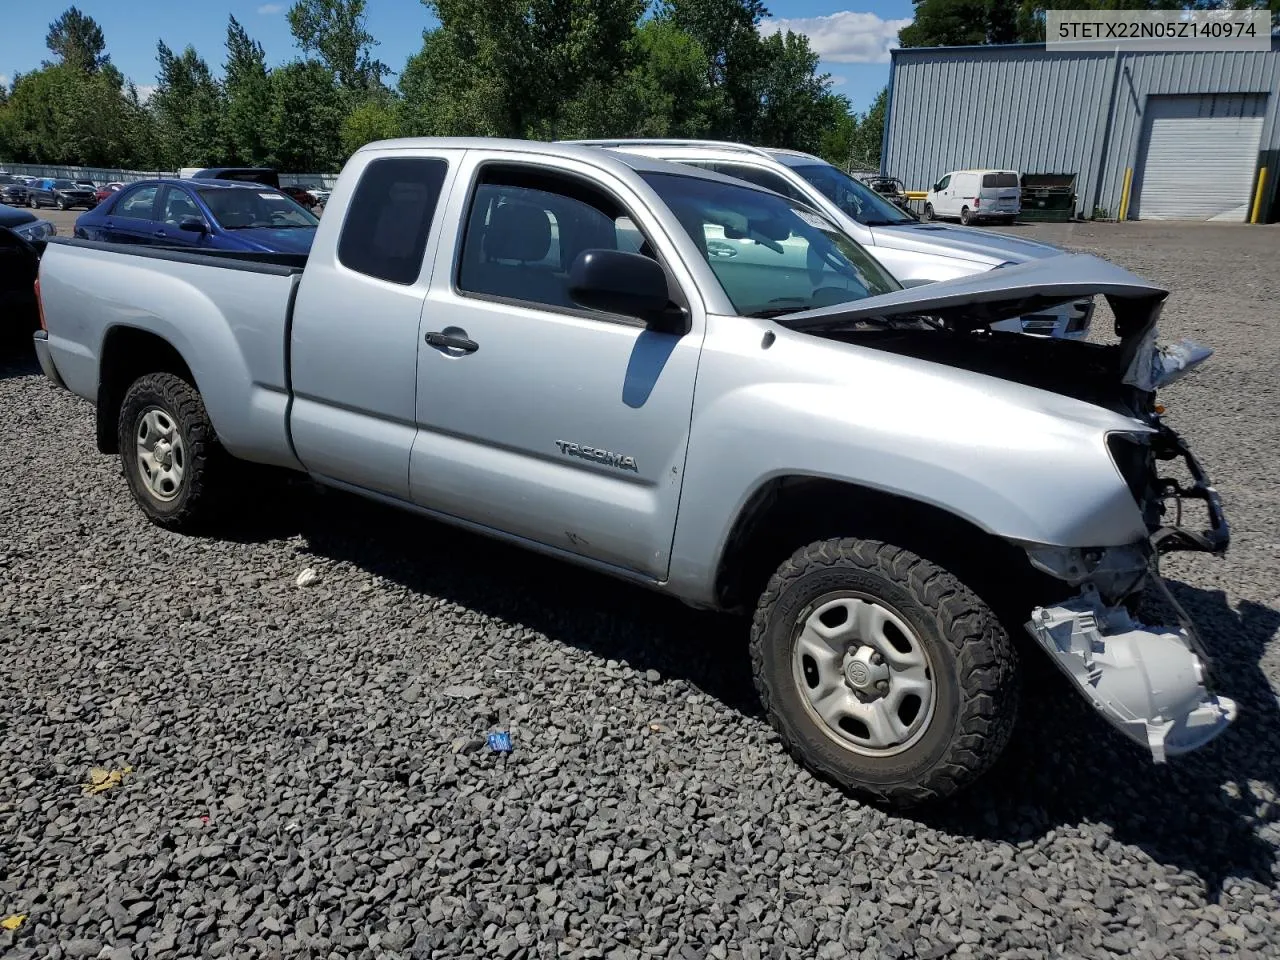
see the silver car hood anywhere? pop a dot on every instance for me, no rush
(981, 299)
(963, 243)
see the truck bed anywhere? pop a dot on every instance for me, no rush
(277, 263)
(233, 331)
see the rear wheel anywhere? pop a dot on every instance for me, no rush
(928, 211)
(882, 672)
(965, 216)
(171, 456)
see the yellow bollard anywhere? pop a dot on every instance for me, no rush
(1124, 195)
(1257, 196)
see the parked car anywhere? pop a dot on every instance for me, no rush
(13, 191)
(107, 190)
(87, 184)
(912, 251)
(974, 195)
(299, 195)
(732, 403)
(321, 195)
(61, 193)
(263, 175)
(201, 215)
(22, 236)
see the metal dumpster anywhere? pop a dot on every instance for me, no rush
(1048, 196)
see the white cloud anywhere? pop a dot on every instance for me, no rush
(145, 90)
(267, 9)
(4, 79)
(845, 37)
(838, 81)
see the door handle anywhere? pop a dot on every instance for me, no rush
(160, 233)
(452, 341)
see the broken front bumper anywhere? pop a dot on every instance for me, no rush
(1150, 682)
(1147, 681)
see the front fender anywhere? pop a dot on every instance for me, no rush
(1020, 463)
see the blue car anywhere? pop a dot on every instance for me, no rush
(202, 215)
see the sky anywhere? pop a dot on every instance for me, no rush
(853, 43)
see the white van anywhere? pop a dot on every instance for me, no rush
(972, 195)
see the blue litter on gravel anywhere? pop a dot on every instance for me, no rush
(500, 742)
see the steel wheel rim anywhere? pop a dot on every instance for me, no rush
(863, 674)
(161, 454)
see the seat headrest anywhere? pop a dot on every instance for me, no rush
(517, 231)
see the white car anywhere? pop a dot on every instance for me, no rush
(913, 252)
(973, 195)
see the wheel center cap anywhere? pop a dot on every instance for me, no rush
(163, 454)
(857, 673)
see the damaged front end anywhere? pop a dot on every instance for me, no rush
(1152, 682)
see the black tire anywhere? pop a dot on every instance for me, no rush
(197, 499)
(928, 211)
(974, 670)
(965, 216)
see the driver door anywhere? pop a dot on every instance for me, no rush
(536, 417)
(177, 205)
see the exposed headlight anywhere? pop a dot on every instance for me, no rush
(36, 230)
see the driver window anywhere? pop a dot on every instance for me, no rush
(178, 207)
(138, 203)
(526, 229)
(944, 182)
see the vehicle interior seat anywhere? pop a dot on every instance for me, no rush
(515, 240)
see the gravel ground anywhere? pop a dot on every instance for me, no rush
(309, 776)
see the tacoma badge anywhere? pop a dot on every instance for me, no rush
(596, 454)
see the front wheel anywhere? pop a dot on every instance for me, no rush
(965, 216)
(171, 455)
(928, 211)
(882, 672)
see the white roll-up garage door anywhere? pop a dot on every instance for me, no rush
(1200, 156)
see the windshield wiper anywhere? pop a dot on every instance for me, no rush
(773, 312)
(884, 223)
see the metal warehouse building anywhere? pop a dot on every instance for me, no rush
(1195, 128)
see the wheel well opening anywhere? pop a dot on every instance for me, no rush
(127, 354)
(789, 512)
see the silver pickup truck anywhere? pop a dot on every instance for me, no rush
(535, 342)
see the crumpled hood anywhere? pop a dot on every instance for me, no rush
(981, 299)
(963, 243)
(273, 240)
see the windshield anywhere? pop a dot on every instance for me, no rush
(854, 198)
(770, 255)
(237, 208)
(63, 184)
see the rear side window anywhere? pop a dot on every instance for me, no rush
(999, 179)
(761, 178)
(389, 217)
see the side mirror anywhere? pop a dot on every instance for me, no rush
(630, 284)
(936, 187)
(193, 224)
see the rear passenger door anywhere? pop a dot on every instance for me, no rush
(354, 338)
(563, 426)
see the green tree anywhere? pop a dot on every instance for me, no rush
(189, 106)
(305, 121)
(672, 90)
(335, 30)
(868, 135)
(248, 91)
(792, 109)
(62, 114)
(374, 119)
(77, 41)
